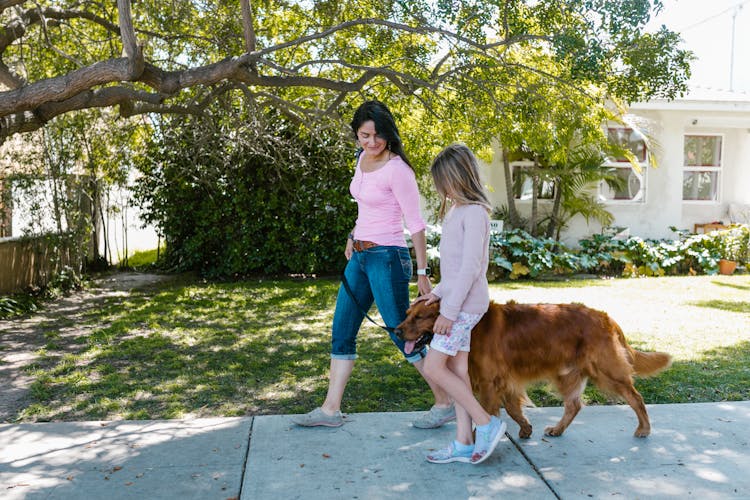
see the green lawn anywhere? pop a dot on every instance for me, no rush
(143, 259)
(262, 347)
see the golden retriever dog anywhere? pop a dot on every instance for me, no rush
(565, 344)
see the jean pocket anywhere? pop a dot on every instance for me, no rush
(405, 263)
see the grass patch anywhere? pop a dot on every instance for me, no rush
(724, 305)
(142, 259)
(262, 347)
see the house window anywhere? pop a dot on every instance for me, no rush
(523, 182)
(627, 138)
(702, 160)
(632, 186)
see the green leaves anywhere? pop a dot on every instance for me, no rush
(310, 56)
(645, 71)
(516, 254)
(247, 192)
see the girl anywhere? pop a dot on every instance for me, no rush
(463, 293)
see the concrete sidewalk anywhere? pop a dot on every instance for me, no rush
(695, 450)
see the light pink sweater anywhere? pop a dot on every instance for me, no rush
(386, 198)
(464, 257)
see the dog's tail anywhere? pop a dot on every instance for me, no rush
(650, 363)
(644, 363)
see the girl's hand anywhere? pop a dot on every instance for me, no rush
(442, 325)
(423, 285)
(349, 248)
(428, 299)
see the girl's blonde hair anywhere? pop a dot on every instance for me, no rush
(456, 175)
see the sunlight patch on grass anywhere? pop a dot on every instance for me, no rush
(142, 258)
(724, 305)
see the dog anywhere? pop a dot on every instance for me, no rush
(566, 344)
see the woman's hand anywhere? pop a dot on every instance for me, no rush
(442, 325)
(349, 248)
(423, 285)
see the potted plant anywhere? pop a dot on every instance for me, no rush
(733, 249)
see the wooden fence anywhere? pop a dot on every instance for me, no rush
(30, 262)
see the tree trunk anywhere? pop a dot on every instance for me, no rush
(513, 218)
(124, 220)
(534, 199)
(94, 190)
(552, 228)
(52, 175)
(105, 234)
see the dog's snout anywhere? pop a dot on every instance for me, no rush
(399, 333)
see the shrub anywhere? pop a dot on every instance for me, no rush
(635, 257)
(240, 193)
(604, 255)
(62, 283)
(17, 305)
(515, 254)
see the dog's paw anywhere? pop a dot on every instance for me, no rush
(524, 432)
(553, 431)
(641, 433)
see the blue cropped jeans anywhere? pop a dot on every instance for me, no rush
(380, 274)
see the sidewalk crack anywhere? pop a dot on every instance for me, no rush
(533, 466)
(247, 456)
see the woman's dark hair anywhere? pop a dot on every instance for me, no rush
(385, 125)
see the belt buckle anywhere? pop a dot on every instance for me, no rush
(361, 245)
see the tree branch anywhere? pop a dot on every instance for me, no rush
(127, 33)
(9, 78)
(455, 58)
(238, 69)
(17, 28)
(64, 87)
(27, 121)
(4, 4)
(247, 26)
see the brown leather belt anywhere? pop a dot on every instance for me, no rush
(361, 245)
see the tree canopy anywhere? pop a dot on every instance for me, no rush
(306, 58)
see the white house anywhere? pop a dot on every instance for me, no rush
(702, 150)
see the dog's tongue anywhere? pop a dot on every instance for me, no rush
(409, 347)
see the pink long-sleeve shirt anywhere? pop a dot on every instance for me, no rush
(386, 199)
(464, 257)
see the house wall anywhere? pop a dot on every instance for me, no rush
(735, 176)
(663, 206)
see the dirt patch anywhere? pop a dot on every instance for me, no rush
(21, 340)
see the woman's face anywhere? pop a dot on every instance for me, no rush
(370, 141)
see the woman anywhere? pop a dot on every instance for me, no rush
(379, 267)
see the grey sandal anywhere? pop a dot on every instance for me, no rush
(318, 417)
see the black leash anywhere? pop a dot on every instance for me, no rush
(362, 309)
